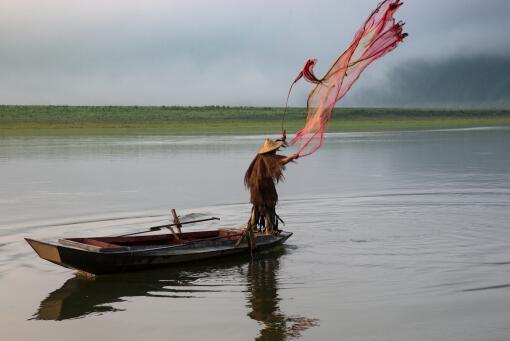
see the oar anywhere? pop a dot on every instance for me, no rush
(159, 227)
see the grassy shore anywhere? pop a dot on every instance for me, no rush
(15, 120)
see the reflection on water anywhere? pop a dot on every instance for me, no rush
(263, 301)
(81, 296)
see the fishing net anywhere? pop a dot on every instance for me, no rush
(379, 35)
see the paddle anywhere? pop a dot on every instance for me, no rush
(159, 227)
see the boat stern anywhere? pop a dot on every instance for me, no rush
(285, 235)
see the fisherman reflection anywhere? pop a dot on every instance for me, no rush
(263, 300)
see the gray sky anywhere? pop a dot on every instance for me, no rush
(164, 52)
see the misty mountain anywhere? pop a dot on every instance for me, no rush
(482, 81)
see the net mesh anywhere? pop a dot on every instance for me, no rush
(379, 35)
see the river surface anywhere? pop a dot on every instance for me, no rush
(397, 236)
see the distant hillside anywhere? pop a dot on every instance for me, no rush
(456, 82)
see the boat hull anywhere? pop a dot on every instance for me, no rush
(107, 261)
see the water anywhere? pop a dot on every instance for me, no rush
(397, 236)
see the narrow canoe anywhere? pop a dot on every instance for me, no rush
(105, 255)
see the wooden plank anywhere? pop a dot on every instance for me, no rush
(157, 237)
(45, 250)
(92, 245)
(177, 222)
(99, 243)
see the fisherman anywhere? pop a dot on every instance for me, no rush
(264, 172)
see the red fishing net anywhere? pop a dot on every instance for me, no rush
(379, 35)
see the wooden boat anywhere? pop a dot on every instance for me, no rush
(103, 255)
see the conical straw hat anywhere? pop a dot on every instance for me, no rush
(270, 145)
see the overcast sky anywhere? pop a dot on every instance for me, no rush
(190, 52)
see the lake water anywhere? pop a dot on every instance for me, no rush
(397, 236)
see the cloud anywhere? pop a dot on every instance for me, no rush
(160, 52)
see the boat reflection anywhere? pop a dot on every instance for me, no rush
(80, 296)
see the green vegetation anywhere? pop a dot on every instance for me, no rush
(15, 120)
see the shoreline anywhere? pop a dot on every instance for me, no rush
(216, 120)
